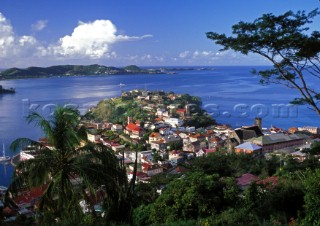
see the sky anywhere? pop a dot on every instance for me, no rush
(125, 32)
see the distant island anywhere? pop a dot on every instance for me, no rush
(73, 70)
(78, 70)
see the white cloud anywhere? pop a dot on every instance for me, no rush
(92, 39)
(12, 45)
(6, 36)
(89, 42)
(39, 25)
(184, 54)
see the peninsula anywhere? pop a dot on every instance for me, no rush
(73, 70)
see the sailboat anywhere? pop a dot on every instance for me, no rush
(4, 158)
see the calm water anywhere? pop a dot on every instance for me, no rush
(231, 94)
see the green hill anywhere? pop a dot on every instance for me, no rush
(71, 70)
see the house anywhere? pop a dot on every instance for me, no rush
(172, 106)
(160, 112)
(159, 145)
(117, 147)
(248, 148)
(292, 130)
(139, 175)
(299, 155)
(192, 147)
(245, 133)
(172, 138)
(222, 129)
(310, 129)
(184, 137)
(181, 112)
(190, 129)
(151, 170)
(196, 137)
(200, 153)
(164, 131)
(174, 154)
(176, 160)
(134, 131)
(116, 128)
(213, 142)
(29, 198)
(173, 122)
(93, 135)
(144, 153)
(154, 136)
(246, 179)
(278, 141)
(208, 151)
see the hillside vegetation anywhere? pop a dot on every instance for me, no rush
(72, 70)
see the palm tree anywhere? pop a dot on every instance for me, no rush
(65, 161)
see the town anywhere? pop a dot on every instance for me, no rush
(163, 132)
(165, 141)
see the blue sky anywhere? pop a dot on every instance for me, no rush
(119, 32)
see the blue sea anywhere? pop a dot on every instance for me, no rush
(232, 95)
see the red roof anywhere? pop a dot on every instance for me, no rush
(140, 174)
(210, 151)
(269, 182)
(29, 196)
(154, 134)
(181, 110)
(197, 135)
(134, 127)
(246, 179)
(145, 165)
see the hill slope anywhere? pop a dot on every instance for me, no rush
(71, 70)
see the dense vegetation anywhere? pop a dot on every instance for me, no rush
(71, 70)
(208, 193)
(117, 110)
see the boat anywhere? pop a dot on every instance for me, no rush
(121, 84)
(4, 91)
(3, 190)
(4, 158)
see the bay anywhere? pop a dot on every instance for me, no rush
(232, 95)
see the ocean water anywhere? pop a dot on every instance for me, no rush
(232, 95)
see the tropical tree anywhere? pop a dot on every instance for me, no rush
(312, 200)
(287, 43)
(70, 168)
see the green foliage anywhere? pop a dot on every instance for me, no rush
(200, 121)
(71, 70)
(234, 165)
(312, 198)
(176, 145)
(65, 160)
(190, 197)
(133, 68)
(286, 42)
(117, 111)
(185, 99)
(210, 196)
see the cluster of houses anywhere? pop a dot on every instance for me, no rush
(169, 142)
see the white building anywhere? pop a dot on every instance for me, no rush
(174, 121)
(310, 129)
